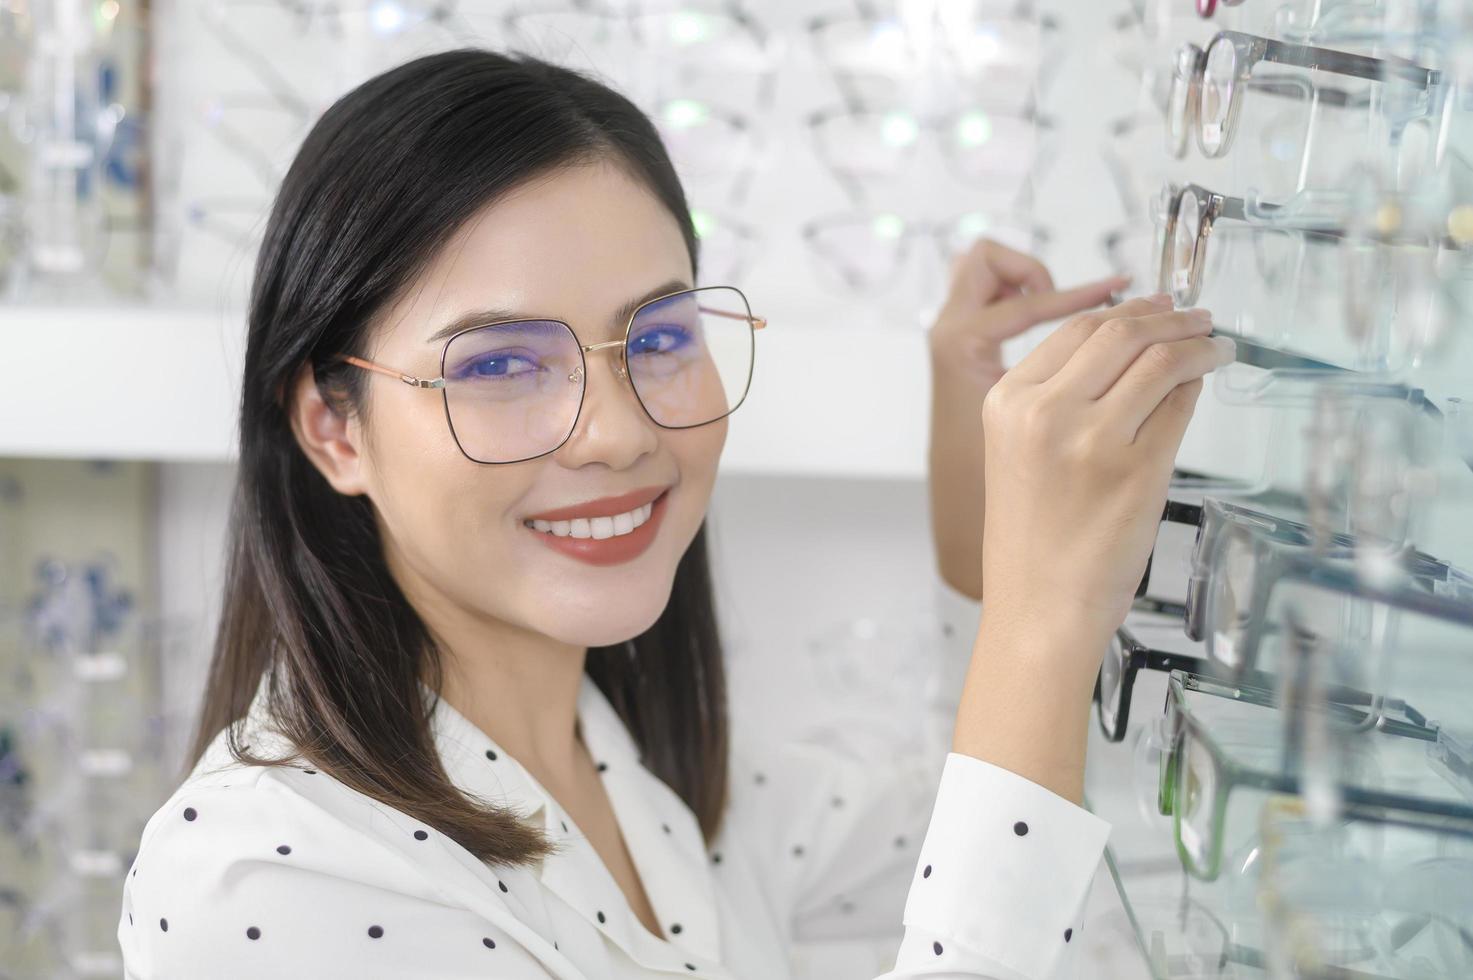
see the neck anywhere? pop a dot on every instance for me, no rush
(518, 686)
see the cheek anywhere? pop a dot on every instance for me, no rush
(432, 499)
(697, 452)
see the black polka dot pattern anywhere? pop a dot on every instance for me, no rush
(284, 849)
(691, 967)
(164, 924)
(675, 928)
(421, 835)
(665, 827)
(375, 932)
(601, 917)
(1020, 828)
(1068, 934)
(926, 873)
(565, 825)
(760, 778)
(603, 767)
(797, 850)
(491, 754)
(310, 772)
(716, 858)
(190, 813)
(253, 933)
(488, 942)
(936, 948)
(502, 886)
(900, 841)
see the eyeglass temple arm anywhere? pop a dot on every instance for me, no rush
(1285, 88)
(408, 379)
(1177, 513)
(757, 322)
(1345, 63)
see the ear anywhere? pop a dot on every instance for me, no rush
(330, 440)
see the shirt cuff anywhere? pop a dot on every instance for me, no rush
(1005, 867)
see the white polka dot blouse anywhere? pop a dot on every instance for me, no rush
(283, 872)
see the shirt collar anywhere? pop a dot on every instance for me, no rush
(477, 764)
(661, 833)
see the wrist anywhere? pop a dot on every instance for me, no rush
(1045, 632)
(972, 362)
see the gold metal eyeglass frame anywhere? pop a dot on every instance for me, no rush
(756, 323)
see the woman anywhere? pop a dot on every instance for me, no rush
(466, 714)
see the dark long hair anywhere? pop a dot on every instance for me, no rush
(385, 177)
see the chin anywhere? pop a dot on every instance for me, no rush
(587, 628)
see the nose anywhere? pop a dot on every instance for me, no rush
(613, 427)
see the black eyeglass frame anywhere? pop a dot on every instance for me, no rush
(580, 374)
(1255, 687)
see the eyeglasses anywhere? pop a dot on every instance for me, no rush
(711, 146)
(872, 56)
(1240, 556)
(981, 145)
(1191, 213)
(514, 389)
(1197, 775)
(864, 252)
(1207, 86)
(1126, 656)
(1338, 895)
(1408, 267)
(1206, 8)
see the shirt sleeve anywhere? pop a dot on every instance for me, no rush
(254, 880)
(854, 820)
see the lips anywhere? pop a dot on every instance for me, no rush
(603, 507)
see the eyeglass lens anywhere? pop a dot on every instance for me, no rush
(513, 391)
(1183, 248)
(1112, 670)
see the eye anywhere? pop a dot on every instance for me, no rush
(496, 365)
(663, 339)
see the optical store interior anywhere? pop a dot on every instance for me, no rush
(1281, 735)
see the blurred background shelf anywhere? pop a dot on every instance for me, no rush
(162, 383)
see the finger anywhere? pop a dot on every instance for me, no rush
(1158, 370)
(1045, 360)
(1115, 345)
(1162, 432)
(1029, 309)
(989, 269)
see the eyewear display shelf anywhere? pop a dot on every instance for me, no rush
(157, 382)
(1188, 928)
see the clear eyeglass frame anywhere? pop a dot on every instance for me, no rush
(1197, 776)
(1234, 55)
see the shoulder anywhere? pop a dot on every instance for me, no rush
(248, 870)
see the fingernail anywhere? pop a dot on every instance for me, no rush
(1228, 346)
(1199, 313)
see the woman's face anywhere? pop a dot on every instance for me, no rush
(577, 245)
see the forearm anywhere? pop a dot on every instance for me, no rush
(956, 467)
(1025, 704)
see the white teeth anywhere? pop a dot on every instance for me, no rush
(597, 528)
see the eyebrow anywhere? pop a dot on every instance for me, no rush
(492, 314)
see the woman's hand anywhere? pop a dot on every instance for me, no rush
(1081, 437)
(996, 294)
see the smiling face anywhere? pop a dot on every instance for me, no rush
(579, 245)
